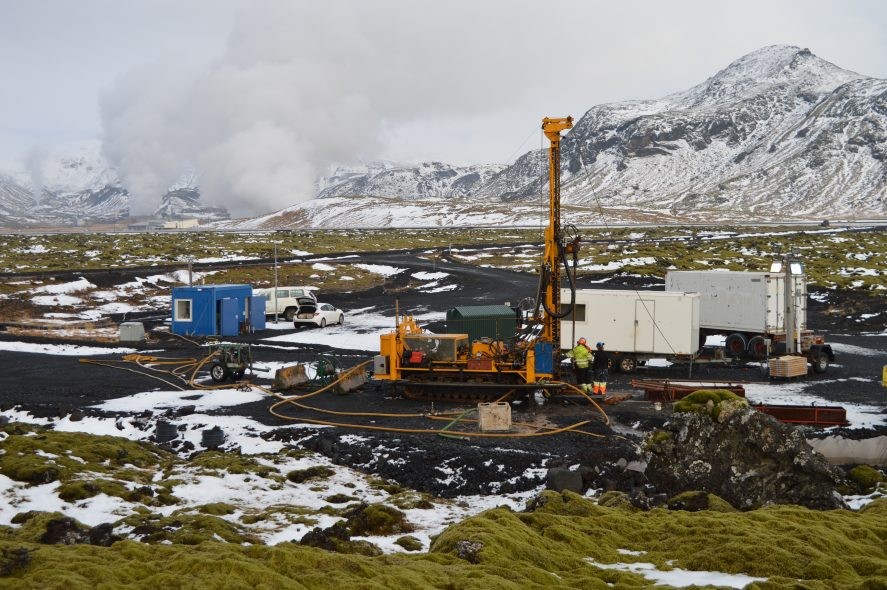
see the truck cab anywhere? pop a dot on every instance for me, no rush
(288, 301)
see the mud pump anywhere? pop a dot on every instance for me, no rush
(450, 367)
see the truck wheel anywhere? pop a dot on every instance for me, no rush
(735, 345)
(757, 348)
(218, 372)
(289, 313)
(820, 362)
(627, 364)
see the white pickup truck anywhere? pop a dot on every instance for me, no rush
(288, 301)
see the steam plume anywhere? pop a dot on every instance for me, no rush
(299, 87)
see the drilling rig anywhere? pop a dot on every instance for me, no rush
(450, 367)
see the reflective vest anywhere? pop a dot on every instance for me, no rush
(582, 355)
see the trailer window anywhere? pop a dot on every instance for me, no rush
(183, 310)
(578, 310)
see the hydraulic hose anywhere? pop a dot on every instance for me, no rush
(547, 273)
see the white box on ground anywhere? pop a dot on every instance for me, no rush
(494, 417)
(132, 332)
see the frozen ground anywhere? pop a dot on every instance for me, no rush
(42, 382)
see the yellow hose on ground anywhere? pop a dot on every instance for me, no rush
(294, 400)
(190, 363)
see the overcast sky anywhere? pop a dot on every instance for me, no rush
(273, 91)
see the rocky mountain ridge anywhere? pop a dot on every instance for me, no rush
(777, 130)
(778, 134)
(78, 187)
(427, 179)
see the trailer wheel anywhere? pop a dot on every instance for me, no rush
(627, 364)
(820, 362)
(218, 372)
(757, 348)
(289, 313)
(735, 345)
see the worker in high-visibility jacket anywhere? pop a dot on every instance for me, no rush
(599, 367)
(581, 355)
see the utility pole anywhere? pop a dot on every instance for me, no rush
(274, 297)
(190, 271)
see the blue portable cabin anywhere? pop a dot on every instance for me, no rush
(216, 310)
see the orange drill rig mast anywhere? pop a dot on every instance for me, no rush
(555, 248)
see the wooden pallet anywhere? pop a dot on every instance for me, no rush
(788, 366)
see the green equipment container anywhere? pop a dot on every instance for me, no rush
(498, 322)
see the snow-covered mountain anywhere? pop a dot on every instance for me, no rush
(777, 131)
(428, 179)
(777, 134)
(182, 200)
(66, 187)
(75, 186)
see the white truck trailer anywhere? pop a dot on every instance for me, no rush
(634, 326)
(749, 309)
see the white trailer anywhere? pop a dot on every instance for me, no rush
(634, 326)
(749, 309)
(742, 301)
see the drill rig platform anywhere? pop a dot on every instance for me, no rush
(449, 367)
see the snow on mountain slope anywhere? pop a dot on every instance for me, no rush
(428, 179)
(13, 197)
(76, 185)
(355, 212)
(66, 186)
(777, 131)
(777, 134)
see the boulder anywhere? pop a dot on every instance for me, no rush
(103, 535)
(560, 479)
(64, 531)
(746, 457)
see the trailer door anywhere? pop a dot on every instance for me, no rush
(229, 317)
(644, 325)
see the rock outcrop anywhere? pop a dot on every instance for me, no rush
(744, 456)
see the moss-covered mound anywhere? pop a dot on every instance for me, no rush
(38, 455)
(311, 473)
(723, 447)
(866, 478)
(547, 547)
(696, 501)
(376, 519)
(709, 401)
